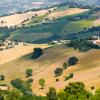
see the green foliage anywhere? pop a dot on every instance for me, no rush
(71, 75)
(21, 85)
(58, 71)
(72, 61)
(82, 45)
(29, 72)
(65, 65)
(52, 94)
(74, 91)
(37, 53)
(13, 95)
(2, 77)
(30, 80)
(42, 83)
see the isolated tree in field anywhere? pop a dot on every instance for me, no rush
(42, 83)
(58, 71)
(72, 61)
(37, 53)
(29, 72)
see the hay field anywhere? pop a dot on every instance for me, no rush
(87, 70)
(17, 19)
(67, 12)
(17, 52)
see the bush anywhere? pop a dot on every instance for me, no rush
(64, 65)
(30, 80)
(72, 61)
(58, 71)
(2, 77)
(42, 83)
(29, 72)
(69, 76)
(37, 53)
(57, 80)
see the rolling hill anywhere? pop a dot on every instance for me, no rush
(6, 6)
(87, 70)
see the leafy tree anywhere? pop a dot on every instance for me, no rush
(37, 53)
(72, 61)
(52, 94)
(58, 71)
(42, 83)
(29, 72)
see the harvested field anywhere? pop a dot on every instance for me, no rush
(71, 11)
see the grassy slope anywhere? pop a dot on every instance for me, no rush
(59, 27)
(36, 20)
(87, 70)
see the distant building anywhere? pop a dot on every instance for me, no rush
(64, 41)
(20, 43)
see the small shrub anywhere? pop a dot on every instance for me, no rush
(58, 71)
(64, 65)
(29, 72)
(30, 80)
(92, 87)
(57, 80)
(2, 77)
(69, 76)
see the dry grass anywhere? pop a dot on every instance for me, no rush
(17, 52)
(87, 70)
(71, 11)
(16, 19)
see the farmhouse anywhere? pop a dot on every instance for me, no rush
(96, 40)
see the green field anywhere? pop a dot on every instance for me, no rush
(60, 27)
(36, 20)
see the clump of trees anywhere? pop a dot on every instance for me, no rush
(82, 45)
(37, 53)
(21, 85)
(71, 61)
